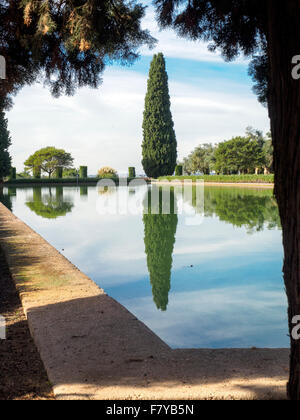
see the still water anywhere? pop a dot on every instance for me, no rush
(214, 284)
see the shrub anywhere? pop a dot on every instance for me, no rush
(59, 172)
(258, 179)
(36, 171)
(12, 174)
(107, 172)
(131, 172)
(179, 170)
(83, 172)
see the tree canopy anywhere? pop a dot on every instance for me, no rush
(242, 154)
(49, 159)
(5, 142)
(230, 26)
(239, 155)
(66, 43)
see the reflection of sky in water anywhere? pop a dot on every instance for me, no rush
(226, 285)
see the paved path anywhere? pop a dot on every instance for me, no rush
(93, 348)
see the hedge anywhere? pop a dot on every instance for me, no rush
(49, 181)
(83, 172)
(258, 179)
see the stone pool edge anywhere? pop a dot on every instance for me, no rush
(93, 348)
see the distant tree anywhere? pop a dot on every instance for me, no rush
(239, 155)
(159, 146)
(202, 159)
(187, 165)
(49, 159)
(24, 174)
(5, 142)
(268, 150)
(70, 173)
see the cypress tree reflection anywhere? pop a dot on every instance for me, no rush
(49, 206)
(159, 237)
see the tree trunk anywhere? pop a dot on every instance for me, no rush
(284, 109)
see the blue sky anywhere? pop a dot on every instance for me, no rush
(211, 101)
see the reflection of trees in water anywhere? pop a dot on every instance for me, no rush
(6, 198)
(49, 206)
(160, 231)
(253, 209)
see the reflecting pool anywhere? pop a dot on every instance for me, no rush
(213, 284)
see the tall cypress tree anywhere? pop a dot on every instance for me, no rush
(159, 144)
(5, 142)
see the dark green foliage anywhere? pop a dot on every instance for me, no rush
(160, 230)
(58, 172)
(83, 172)
(239, 155)
(230, 26)
(55, 181)
(248, 154)
(259, 70)
(5, 142)
(131, 172)
(24, 174)
(66, 43)
(36, 172)
(70, 173)
(252, 179)
(49, 206)
(12, 174)
(201, 160)
(49, 159)
(179, 170)
(269, 153)
(159, 147)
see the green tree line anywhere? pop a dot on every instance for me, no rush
(249, 154)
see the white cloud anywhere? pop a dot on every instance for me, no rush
(104, 126)
(173, 46)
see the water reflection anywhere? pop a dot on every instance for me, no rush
(50, 205)
(215, 287)
(159, 238)
(5, 197)
(255, 210)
